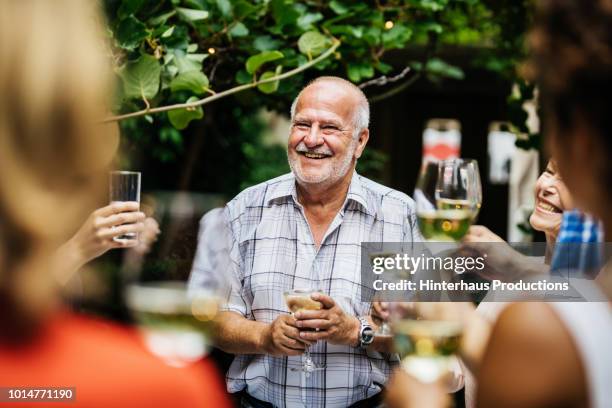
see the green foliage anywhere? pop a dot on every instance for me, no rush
(141, 78)
(171, 51)
(168, 50)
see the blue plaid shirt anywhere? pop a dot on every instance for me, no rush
(578, 248)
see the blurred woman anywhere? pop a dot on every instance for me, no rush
(557, 354)
(53, 164)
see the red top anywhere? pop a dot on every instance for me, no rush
(108, 366)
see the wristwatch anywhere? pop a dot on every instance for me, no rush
(366, 333)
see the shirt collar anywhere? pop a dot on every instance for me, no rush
(286, 188)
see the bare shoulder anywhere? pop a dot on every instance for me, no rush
(531, 360)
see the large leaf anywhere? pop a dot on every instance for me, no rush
(194, 81)
(192, 14)
(180, 118)
(313, 43)
(256, 61)
(141, 78)
(130, 32)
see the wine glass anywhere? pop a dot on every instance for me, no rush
(446, 199)
(176, 324)
(448, 196)
(477, 186)
(297, 300)
(427, 348)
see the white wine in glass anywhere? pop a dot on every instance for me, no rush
(447, 199)
(176, 325)
(298, 300)
(427, 347)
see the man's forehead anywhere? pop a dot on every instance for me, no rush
(328, 99)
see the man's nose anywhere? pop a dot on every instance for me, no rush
(313, 138)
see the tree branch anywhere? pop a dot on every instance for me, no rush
(240, 88)
(396, 90)
(383, 80)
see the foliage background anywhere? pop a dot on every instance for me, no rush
(173, 51)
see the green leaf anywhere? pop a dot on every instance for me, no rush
(438, 67)
(161, 19)
(397, 36)
(129, 7)
(338, 7)
(284, 12)
(266, 43)
(141, 78)
(243, 77)
(256, 61)
(187, 62)
(180, 118)
(313, 43)
(270, 87)
(243, 9)
(239, 30)
(357, 71)
(372, 35)
(194, 81)
(192, 14)
(225, 7)
(130, 32)
(384, 68)
(306, 21)
(168, 32)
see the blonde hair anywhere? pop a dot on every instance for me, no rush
(55, 82)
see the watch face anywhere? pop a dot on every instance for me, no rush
(367, 335)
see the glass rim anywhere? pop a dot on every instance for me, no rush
(125, 172)
(459, 159)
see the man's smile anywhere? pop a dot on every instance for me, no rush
(316, 156)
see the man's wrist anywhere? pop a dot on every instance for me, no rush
(355, 338)
(264, 339)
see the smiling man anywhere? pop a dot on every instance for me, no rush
(304, 230)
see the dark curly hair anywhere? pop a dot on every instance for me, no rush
(571, 61)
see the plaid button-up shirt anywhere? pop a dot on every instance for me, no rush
(273, 251)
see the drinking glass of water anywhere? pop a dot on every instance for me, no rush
(124, 186)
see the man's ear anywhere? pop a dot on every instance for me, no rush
(364, 135)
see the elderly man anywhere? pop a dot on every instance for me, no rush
(304, 230)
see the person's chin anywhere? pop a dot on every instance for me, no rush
(538, 223)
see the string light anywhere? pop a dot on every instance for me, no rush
(211, 50)
(389, 24)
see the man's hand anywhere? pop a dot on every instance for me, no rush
(282, 338)
(333, 324)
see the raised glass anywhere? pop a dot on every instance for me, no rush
(124, 186)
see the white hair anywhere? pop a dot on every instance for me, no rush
(361, 115)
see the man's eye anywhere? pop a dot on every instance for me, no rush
(302, 125)
(329, 127)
